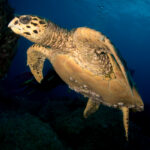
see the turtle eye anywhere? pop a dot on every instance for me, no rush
(25, 19)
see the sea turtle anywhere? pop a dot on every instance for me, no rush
(85, 59)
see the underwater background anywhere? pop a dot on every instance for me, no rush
(35, 116)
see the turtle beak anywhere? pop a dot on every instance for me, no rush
(13, 22)
(14, 25)
(10, 24)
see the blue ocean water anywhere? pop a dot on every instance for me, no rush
(126, 23)
(49, 116)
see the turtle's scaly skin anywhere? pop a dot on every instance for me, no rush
(85, 59)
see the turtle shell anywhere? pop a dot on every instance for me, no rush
(115, 90)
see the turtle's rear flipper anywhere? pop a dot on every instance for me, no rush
(36, 56)
(91, 107)
(125, 112)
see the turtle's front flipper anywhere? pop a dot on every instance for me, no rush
(91, 107)
(36, 55)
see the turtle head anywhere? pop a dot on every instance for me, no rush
(31, 27)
